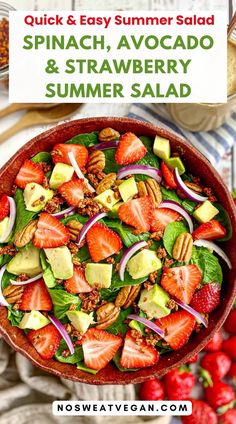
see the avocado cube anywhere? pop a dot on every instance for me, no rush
(80, 320)
(98, 275)
(61, 263)
(205, 212)
(135, 325)
(176, 163)
(143, 263)
(36, 197)
(33, 320)
(128, 189)
(154, 302)
(3, 226)
(26, 261)
(61, 174)
(107, 199)
(161, 147)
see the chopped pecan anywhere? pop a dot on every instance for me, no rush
(8, 250)
(53, 205)
(127, 296)
(90, 207)
(25, 235)
(74, 228)
(89, 300)
(13, 294)
(107, 314)
(108, 134)
(151, 188)
(96, 162)
(106, 183)
(193, 186)
(182, 250)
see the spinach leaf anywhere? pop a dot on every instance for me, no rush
(189, 206)
(71, 359)
(62, 300)
(125, 232)
(108, 294)
(116, 360)
(148, 142)
(224, 219)
(149, 159)
(4, 259)
(6, 279)
(119, 326)
(128, 280)
(75, 217)
(23, 217)
(42, 157)
(82, 367)
(111, 165)
(48, 276)
(14, 317)
(208, 265)
(83, 253)
(87, 139)
(172, 231)
(170, 195)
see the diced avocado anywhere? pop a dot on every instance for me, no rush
(107, 199)
(143, 263)
(161, 147)
(205, 212)
(61, 263)
(33, 320)
(153, 302)
(128, 189)
(26, 261)
(80, 320)
(36, 197)
(3, 226)
(176, 163)
(61, 174)
(135, 325)
(114, 212)
(99, 275)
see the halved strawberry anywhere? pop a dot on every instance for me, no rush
(137, 355)
(168, 175)
(138, 213)
(50, 232)
(78, 283)
(36, 297)
(99, 347)
(207, 298)
(60, 154)
(102, 242)
(209, 231)
(30, 172)
(130, 149)
(181, 281)
(161, 218)
(178, 327)
(46, 340)
(4, 206)
(72, 191)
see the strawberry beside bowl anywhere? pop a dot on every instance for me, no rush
(198, 166)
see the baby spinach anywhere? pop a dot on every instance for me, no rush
(110, 165)
(83, 367)
(148, 143)
(189, 206)
(4, 259)
(208, 265)
(170, 195)
(83, 253)
(125, 232)
(48, 276)
(119, 326)
(116, 360)
(6, 279)
(109, 294)
(224, 219)
(42, 157)
(172, 231)
(23, 217)
(71, 359)
(14, 316)
(76, 217)
(86, 139)
(62, 300)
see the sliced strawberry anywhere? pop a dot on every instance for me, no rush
(60, 154)
(178, 327)
(161, 218)
(138, 355)
(46, 340)
(50, 232)
(181, 281)
(207, 298)
(4, 206)
(209, 231)
(30, 172)
(168, 175)
(130, 149)
(138, 213)
(102, 242)
(72, 191)
(78, 283)
(36, 297)
(99, 347)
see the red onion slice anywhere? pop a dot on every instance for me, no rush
(12, 219)
(22, 283)
(191, 195)
(3, 301)
(193, 312)
(66, 212)
(104, 146)
(127, 255)
(78, 171)
(212, 246)
(169, 204)
(140, 169)
(89, 224)
(148, 324)
(60, 327)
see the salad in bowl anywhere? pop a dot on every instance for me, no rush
(111, 251)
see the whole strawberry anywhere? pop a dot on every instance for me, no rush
(219, 394)
(229, 417)
(230, 323)
(152, 390)
(202, 413)
(192, 360)
(232, 372)
(178, 383)
(229, 347)
(207, 298)
(215, 343)
(217, 364)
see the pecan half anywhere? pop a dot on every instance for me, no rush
(107, 315)
(106, 183)
(25, 235)
(74, 228)
(96, 162)
(151, 188)
(108, 134)
(193, 186)
(182, 250)
(13, 294)
(127, 296)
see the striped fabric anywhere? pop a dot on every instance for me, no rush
(213, 144)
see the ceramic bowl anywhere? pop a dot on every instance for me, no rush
(199, 166)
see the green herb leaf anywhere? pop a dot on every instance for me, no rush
(48, 276)
(82, 367)
(23, 217)
(87, 139)
(14, 317)
(42, 157)
(208, 265)
(62, 301)
(71, 359)
(119, 327)
(172, 231)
